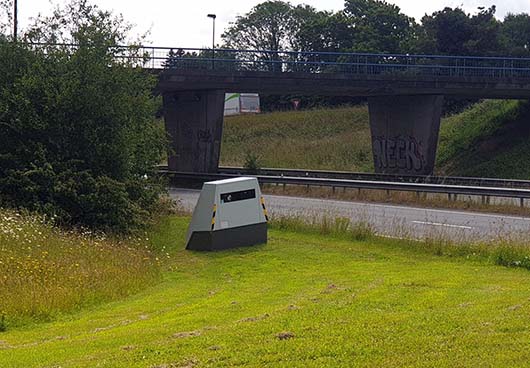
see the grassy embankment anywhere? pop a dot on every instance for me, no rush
(302, 300)
(491, 139)
(337, 139)
(45, 272)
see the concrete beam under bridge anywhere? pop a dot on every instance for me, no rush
(329, 84)
(405, 133)
(194, 121)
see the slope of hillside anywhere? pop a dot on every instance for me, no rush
(337, 139)
(489, 139)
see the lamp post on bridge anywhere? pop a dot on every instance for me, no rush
(213, 16)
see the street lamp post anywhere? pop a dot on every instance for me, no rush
(15, 20)
(213, 16)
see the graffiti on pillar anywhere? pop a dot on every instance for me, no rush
(205, 136)
(401, 152)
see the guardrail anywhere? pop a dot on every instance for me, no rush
(366, 64)
(451, 190)
(425, 179)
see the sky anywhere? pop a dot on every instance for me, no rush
(179, 23)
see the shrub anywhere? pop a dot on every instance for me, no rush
(78, 138)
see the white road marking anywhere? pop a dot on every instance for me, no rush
(450, 212)
(376, 205)
(442, 225)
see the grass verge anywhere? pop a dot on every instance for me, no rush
(302, 300)
(45, 271)
(501, 252)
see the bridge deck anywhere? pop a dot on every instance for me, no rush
(341, 84)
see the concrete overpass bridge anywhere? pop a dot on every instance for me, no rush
(405, 95)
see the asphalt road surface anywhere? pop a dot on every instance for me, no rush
(392, 220)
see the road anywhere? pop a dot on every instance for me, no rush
(392, 220)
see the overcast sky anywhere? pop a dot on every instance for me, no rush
(184, 23)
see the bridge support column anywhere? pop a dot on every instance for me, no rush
(405, 133)
(194, 121)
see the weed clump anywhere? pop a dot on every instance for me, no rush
(252, 163)
(3, 323)
(511, 256)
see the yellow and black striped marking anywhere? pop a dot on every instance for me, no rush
(213, 215)
(264, 209)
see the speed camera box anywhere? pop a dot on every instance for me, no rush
(230, 213)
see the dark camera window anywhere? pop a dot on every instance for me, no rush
(238, 196)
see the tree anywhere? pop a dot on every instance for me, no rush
(444, 32)
(377, 26)
(78, 138)
(515, 34)
(173, 58)
(485, 39)
(323, 31)
(6, 17)
(453, 32)
(266, 27)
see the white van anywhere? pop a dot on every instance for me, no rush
(241, 103)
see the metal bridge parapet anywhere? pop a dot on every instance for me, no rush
(230, 60)
(363, 64)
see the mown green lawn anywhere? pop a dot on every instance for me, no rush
(342, 303)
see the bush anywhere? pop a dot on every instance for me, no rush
(78, 136)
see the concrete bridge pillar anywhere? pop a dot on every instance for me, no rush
(405, 133)
(194, 121)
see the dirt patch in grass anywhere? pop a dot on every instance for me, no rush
(183, 335)
(285, 335)
(255, 319)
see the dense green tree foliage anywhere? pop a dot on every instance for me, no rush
(453, 32)
(515, 34)
(364, 25)
(78, 138)
(267, 26)
(380, 27)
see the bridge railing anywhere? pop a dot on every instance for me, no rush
(364, 64)
(333, 62)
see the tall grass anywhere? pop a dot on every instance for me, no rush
(333, 139)
(45, 271)
(503, 252)
(326, 225)
(490, 138)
